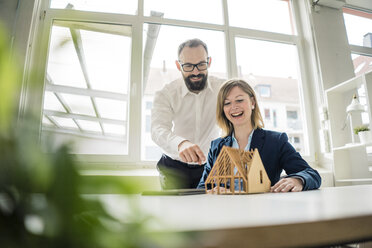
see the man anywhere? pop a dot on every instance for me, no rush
(184, 118)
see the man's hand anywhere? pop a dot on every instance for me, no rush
(287, 184)
(190, 152)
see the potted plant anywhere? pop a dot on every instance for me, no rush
(364, 133)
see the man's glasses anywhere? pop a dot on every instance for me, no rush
(187, 67)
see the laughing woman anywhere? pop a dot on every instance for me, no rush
(239, 117)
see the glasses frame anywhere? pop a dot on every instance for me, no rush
(194, 65)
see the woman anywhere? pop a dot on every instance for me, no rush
(239, 117)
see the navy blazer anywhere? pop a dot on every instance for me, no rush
(276, 153)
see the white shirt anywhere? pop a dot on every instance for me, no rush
(236, 145)
(179, 115)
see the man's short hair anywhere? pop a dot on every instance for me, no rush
(192, 43)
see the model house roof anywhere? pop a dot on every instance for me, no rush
(236, 167)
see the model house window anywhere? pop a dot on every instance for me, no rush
(102, 70)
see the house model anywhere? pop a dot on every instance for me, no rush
(234, 166)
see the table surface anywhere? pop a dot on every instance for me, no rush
(334, 215)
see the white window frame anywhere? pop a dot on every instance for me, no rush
(360, 50)
(32, 101)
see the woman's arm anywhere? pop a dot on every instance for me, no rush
(296, 167)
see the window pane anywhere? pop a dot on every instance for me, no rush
(209, 11)
(358, 27)
(267, 15)
(78, 104)
(112, 109)
(63, 66)
(362, 64)
(92, 126)
(52, 103)
(160, 54)
(109, 6)
(274, 65)
(87, 82)
(64, 122)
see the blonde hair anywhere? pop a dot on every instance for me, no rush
(222, 121)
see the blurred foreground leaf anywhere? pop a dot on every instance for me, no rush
(40, 199)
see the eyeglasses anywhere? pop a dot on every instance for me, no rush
(187, 67)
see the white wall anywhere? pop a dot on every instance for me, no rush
(335, 64)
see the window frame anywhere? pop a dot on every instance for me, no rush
(360, 50)
(44, 17)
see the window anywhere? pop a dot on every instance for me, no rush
(161, 69)
(86, 96)
(362, 64)
(267, 114)
(102, 71)
(296, 142)
(255, 14)
(209, 11)
(294, 123)
(148, 123)
(108, 6)
(148, 105)
(272, 69)
(263, 90)
(292, 114)
(358, 27)
(359, 31)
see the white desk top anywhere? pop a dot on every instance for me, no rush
(335, 208)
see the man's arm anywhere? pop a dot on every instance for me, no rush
(161, 124)
(161, 132)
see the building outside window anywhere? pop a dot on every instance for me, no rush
(267, 114)
(263, 90)
(292, 114)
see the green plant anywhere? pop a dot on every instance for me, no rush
(362, 128)
(41, 203)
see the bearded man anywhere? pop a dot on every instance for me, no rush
(183, 118)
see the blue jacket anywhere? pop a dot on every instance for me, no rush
(277, 154)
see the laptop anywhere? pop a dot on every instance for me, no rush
(175, 192)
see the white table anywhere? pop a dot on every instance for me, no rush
(319, 217)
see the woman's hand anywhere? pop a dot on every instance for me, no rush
(288, 184)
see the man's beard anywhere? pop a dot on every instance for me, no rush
(196, 86)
